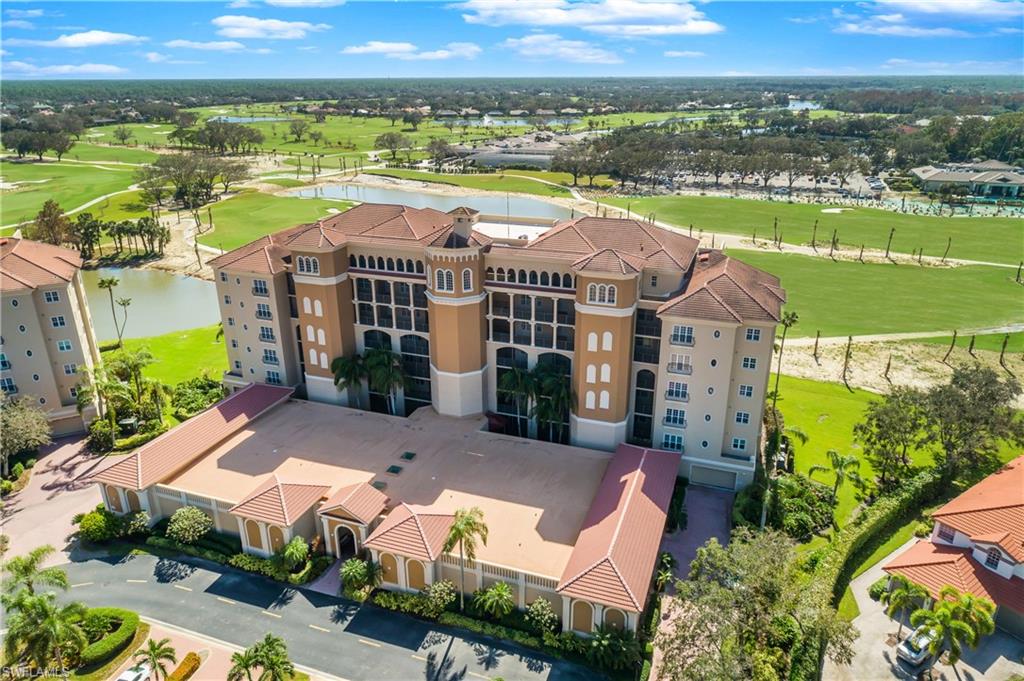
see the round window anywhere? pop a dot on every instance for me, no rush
(21, 327)
(14, 302)
(714, 363)
(35, 377)
(241, 304)
(248, 349)
(704, 444)
(28, 353)
(252, 371)
(711, 391)
(707, 417)
(42, 400)
(718, 334)
(245, 327)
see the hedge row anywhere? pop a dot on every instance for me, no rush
(840, 557)
(110, 645)
(169, 544)
(186, 669)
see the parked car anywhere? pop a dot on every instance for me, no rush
(137, 673)
(781, 191)
(914, 648)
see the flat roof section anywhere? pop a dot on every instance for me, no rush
(534, 495)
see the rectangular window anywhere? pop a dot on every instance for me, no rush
(263, 311)
(51, 296)
(993, 558)
(680, 363)
(675, 417)
(231, 321)
(270, 356)
(234, 343)
(4, 362)
(654, 280)
(58, 321)
(266, 334)
(223, 276)
(259, 288)
(946, 533)
(753, 335)
(70, 369)
(677, 391)
(682, 335)
(742, 417)
(238, 365)
(739, 444)
(672, 442)
(749, 362)
(7, 385)
(64, 345)
(227, 299)
(746, 391)
(73, 392)
(273, 378)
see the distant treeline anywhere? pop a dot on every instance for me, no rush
(899, 94)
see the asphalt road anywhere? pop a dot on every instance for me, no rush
(324, 633)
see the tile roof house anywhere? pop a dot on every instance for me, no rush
(977, 546)
(983, 178)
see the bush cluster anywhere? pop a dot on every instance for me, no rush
(541, 616)
(189, 524)
(101, 436)
(879, 587)
(168, 544)
(275, 569)
(149, 431)
(194, 395)
(110, 645)
(186, 669)
(100, 525)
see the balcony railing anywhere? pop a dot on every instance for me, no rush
(272, 361)
(686, 341)
(267, 339)
(677, 396)
(680, 368)
(674, 423)
(261, 292)
(264, 315)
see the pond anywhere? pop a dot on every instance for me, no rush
(247, 119)
(489, 205)
(489, 121)
(161, 302)
(803, 105)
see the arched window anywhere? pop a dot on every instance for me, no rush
(391, 265)
(419, 267)
(566, 281)
(380, 263)
(310, 335)
(307, 306)
(591, 400)
(414, 345)
(371, 263)
(300, 263)
(449, 280)
(606, 373)
(323, 360)
(318, 309)
(591, 342)
(533, 278)
(591, 373)
(321, 338)
(467, 280)
(400, 264)
(611, 295)
(445, 281)
(602, 294)
(312, 356)
(511, 276)
(351, 261)
(545, 279)
(362, 261)
(606, 340)
(489, 274)
(522, 276)
(556, 279)
(993, 557)
(408, 265)
(375, 339)
(500, 274)
(605, 399)
(592, 293)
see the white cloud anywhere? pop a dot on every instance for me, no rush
(975, 9)
(872, 27)
(4, 53)
(629, 18)
(309, 48)
(238, 26)
(211, 46)
(159, 58)
(240, 4)
(18, 23)
(84, 39)
(379, 47)
(305, 3)
(1008, 30)
(554, 47)
(803, 20)
(889, 18)
(62, 69)
(686, 54)
(970, 66)
(410, 52)
(24, 13)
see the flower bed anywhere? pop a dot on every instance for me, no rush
(110, 645)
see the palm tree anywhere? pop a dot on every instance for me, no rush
(523, 386)
(242, 665)
(107, 284)
(26, 571)
(385, 371)
(843, 466)
(902, 596)
(123, 303)
(467, 527)
(976, 612)
(555, 400)
(155, 654)
(949, 632)
(349, 373)
(128, 365)
(44, 632)
(788, 319)
(272, 657)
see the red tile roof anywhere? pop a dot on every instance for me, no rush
(362, 501)
(162, 457)
(615, 553)
(373, 223)
(413, 531)
(992, 511)
(609, 260)
(265, 255)
(936, 565)
(26, 265)
(724, 289)
(279, 503)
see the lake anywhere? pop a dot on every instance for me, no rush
(247, 119)
(489, 121)
(803, 105)
(489, 205)
(161, 302)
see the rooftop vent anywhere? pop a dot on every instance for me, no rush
(393, 470)
(408, 456)
(379, 485)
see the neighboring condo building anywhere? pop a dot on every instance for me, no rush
(667, 345)
(47, 337)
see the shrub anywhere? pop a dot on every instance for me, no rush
(541, 616)
(194, 395)
(110, 645)
(101, 436)
(922, 530)
(176, 546)
(6, 487)
(186, 669)
(613, 649)
(189, 524)
(134, 524)
(645, 671)
(439, 596)
(353, 573)
(803, 506)
(98, 526)
(496, 600)
(523, 638)
(96, 624)
(878, 588)
(147, 433)
(17, 470)
(314, 568)
(294, 553)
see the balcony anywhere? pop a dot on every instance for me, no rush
(267, 339)
(673, 423)
(684, 341)
(271, 361)
(260, 314)
(677, 396)
(679, 368)
(260, 292)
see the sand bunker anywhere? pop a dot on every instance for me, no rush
(835, 210)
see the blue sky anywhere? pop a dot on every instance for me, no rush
(330, 38)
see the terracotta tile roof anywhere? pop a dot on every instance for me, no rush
(413, 531)
(26, 265)
(265, 255)
(724, 289)
(662, 248)
(992, 511)
(169, 453)
(609, 260)
(373, 223)
(614, 556)
(362, 501)
(449, 239)
(935, 566)
(279, 503)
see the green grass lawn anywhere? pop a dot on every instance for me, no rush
(850, 298)
(181, 355)
(496, 182)
(127, 206)
(250, 215)
(564, 178)
(986, 239)
(70, 185)
(992, 342)
(84, 151)
(285, 182)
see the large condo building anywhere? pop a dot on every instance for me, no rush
(47, 339)
(667, 345)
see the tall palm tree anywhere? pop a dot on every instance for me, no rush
(107, 284)
(843, 466)
(128, 366)
(156, 654)
(976, 612)
(949, 632)
(903, 596)
(242, 665)
(386, 374)
(123, 303)
(349, 373)
(523, 386)
(24, 572)
(467, 527)
(788, 320)
(555, 393)
(272, 657)
(42, 631)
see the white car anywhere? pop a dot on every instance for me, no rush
(137, 673)
(914, 648)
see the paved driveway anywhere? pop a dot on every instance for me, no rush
(324, 633)
(997, 658)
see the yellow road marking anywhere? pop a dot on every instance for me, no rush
(224, 600)
(313, 626)
(82, 584)
(270, 614)
(368, 643)
(179, 586)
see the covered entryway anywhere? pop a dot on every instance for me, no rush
(345, 542)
